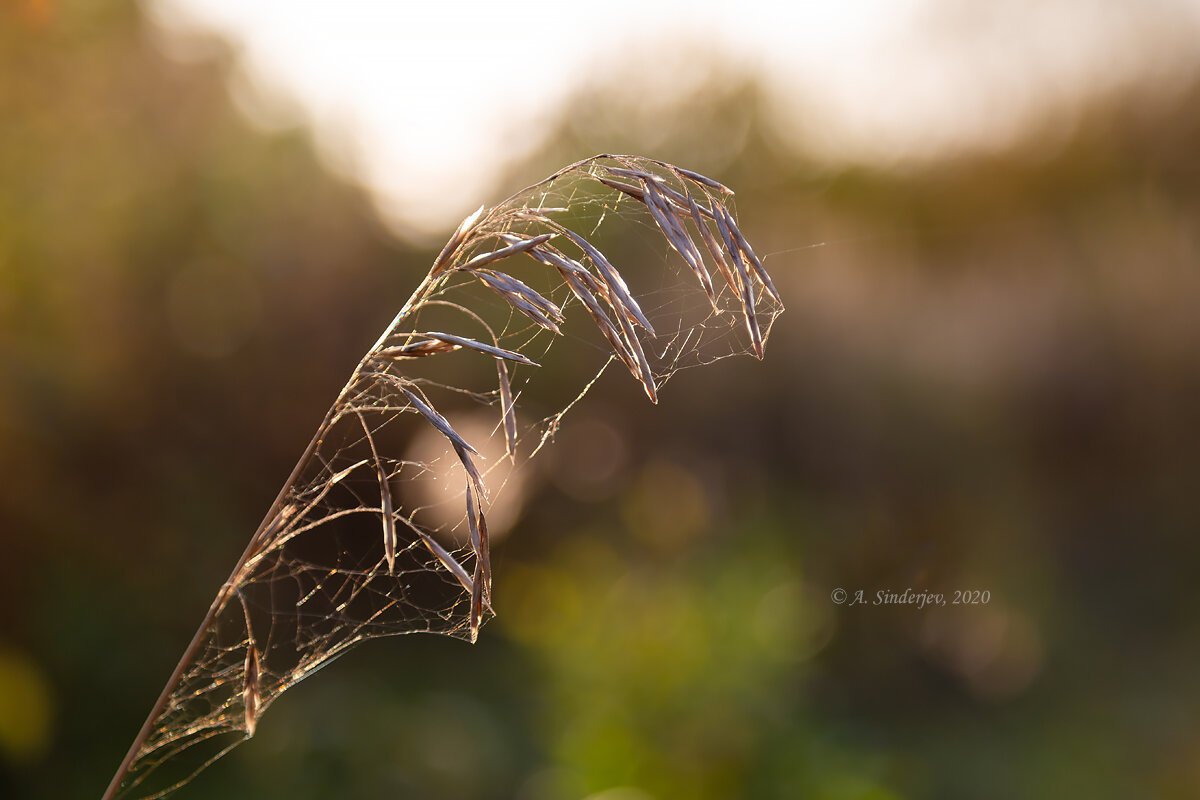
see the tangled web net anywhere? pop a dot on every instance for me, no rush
(367, 539)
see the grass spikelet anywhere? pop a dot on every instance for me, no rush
(416, 349)
(460, 235)
(250, 690)
(672, 228)
(748, 251)
(389, 520)
(435, 419)
(477, 523)
(744, 288)
(448, 561)
(522, 298)
(623, 300)
(701, 179)
(507, 411)
(491, 350)
(505, 252)
(629, 189)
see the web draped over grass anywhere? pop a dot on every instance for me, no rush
(614, 262)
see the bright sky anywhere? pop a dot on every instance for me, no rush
(416, 99)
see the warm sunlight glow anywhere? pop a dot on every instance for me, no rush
(420, 101)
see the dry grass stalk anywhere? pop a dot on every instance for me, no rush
(309, 506)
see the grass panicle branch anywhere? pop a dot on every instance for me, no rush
(315, 578)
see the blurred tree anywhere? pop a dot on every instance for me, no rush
(168, 287)
(987, 379)
(991, 365)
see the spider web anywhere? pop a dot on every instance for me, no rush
(368, 538)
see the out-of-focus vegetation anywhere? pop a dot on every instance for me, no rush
(988, 378)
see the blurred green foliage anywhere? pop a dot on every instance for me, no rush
(988, 378)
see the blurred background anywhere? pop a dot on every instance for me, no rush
(983, 219)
